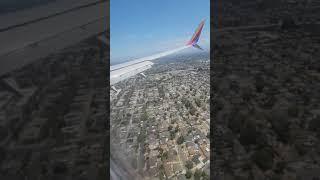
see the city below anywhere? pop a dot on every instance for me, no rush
(160, 123)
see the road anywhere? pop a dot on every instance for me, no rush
(132, 110)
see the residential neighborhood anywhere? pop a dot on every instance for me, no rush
(162, 121)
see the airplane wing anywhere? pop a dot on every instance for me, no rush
(30, 34)
(123, 71)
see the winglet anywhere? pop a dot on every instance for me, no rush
(193, 41)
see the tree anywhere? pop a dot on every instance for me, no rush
(160, 150)
(197, 174)
(192, 110)
(204, 107)
(202, 96)
(189, 164)
(188, 174)
(170, 128)
(164, 155)
(172, 135)
(144, 116)
(198, 102)
(177, 128)
(187, 103)
(180, 140)
(140, 138)
(205, 176)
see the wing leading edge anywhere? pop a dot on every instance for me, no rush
(123, 71)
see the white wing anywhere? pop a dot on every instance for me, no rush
(125, 70)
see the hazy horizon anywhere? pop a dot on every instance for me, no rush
(190, 51)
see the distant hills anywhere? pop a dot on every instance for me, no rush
(183, 53)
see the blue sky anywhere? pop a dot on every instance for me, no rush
(143, 27)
